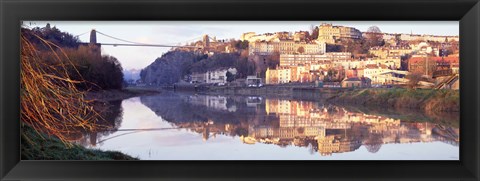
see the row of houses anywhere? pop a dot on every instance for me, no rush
(335, 59)
(285, 47)
(310, 68)
(308, 61)
(418, 37)
(392, 51)
(398, 51)
(318, 59)
(379, 71)
(359, 77)
(298, 43)
(288, 74)
(330, 34)
(413, 37)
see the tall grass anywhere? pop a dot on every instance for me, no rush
(50, 101)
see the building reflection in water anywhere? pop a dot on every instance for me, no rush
(321, 128)
(333, 129)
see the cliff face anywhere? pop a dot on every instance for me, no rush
(172, 66)
(168, 69)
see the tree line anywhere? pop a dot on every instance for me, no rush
(96, 72)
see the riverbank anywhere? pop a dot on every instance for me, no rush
(428, 100)
(38, 146)
(114, 95)
(287, 92)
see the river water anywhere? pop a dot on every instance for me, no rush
(181, 126)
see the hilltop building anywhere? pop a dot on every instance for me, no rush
(331, 34)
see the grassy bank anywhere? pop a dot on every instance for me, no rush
(37, 146)
(422, 99)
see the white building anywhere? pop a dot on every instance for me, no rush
(374, 73)
(284, 75)
(213, 76)
(214, 102)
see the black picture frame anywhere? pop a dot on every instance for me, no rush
(13, 11)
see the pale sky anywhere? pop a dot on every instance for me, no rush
(176, 32)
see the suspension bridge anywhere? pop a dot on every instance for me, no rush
(204, 39)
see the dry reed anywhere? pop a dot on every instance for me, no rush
(50, 101)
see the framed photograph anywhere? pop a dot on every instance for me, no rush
(244, 90)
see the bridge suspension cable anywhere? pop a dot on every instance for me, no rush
(190, 40)
(147, 45)
(132, 131)
(81, 34)
(118, 38)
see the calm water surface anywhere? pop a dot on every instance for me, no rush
(180, 126)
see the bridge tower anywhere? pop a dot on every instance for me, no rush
(206, 41)
(93, 36)
(94, 46)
